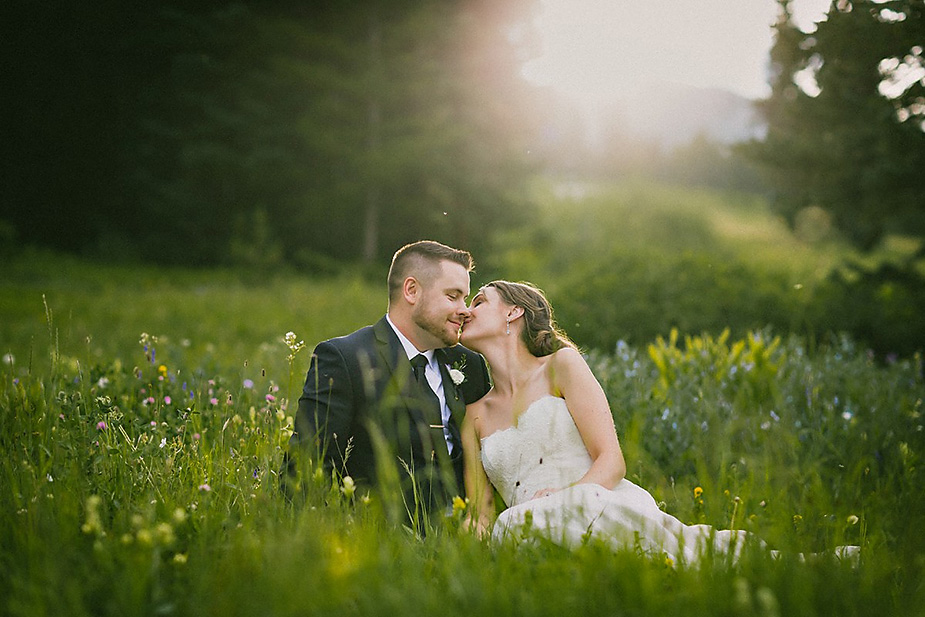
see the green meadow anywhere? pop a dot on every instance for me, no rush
(144, 413)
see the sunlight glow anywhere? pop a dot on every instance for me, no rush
(596, 50)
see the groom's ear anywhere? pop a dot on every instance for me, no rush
(411, 290)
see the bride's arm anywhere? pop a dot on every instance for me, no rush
(478, 487)
(574, 381)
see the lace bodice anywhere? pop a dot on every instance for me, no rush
(543, 450)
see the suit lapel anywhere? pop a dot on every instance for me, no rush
(451, 392)
(399, 380)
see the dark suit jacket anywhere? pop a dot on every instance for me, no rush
(362, 411)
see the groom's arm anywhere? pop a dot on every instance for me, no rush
(324, 420)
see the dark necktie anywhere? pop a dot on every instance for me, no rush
(419, 365)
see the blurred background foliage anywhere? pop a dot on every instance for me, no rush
(322, 136)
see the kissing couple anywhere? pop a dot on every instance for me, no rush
(408, 405)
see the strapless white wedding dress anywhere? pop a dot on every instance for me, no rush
(545, 450)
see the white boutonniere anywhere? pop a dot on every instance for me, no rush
(456, 373)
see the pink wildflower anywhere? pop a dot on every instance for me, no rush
(101, 426)
(270, 398)
(205, 488)
(213, 401)
(167, 400)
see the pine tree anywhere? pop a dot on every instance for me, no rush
(847, 148)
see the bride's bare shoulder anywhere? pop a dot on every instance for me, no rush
(566, 367)
(565, 358)
(476, 412)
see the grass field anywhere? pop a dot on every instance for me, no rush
(144, 412)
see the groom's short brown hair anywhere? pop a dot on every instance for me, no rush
(420, 259)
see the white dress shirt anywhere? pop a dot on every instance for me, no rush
(433, 375)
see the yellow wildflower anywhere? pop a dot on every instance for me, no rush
(698, 491)
(459, 505)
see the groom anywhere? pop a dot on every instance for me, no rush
(383, 405)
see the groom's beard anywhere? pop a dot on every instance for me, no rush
(437, 326)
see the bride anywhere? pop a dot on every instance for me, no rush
(544, 437)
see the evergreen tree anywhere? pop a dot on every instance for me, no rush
(848, 148)
(227, 131)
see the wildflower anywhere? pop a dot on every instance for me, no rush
(144, 537)
(797, 519)
(163, 442)
(162, 370)
(349, 487)
(179, 559)
(459, 505)
(853, 520)
(93, 523)
(196, 436)
(101, 426)
(179, 515)
(270, 398)
(102, 383)
(248, 383)
(213, 401)
(205, 488)
(293, 345)
(669, 562)
(165, 533)
(167, 400)
(698, 491)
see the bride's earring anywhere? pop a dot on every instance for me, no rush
(508, 329)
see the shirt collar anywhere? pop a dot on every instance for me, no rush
(410, 350)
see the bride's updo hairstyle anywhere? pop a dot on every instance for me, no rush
(540, 332)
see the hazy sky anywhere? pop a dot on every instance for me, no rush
(594, 50)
